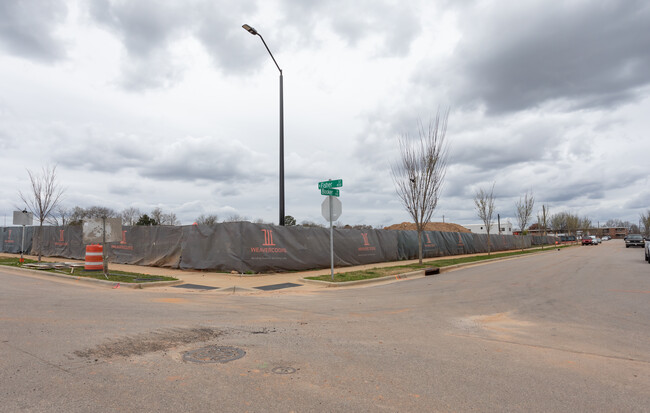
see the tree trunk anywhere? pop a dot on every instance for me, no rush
(40, 240)
(420, 246)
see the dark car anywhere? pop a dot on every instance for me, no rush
(634, 240)
(587, 240)
(647, 249)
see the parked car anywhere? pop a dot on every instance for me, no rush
(595, 239)
(606, 238)
(634, 240)
(586, 240)
(647, 249)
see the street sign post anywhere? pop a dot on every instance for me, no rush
(331, 209)
(23, 218)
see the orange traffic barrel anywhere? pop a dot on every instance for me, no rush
(94, 258)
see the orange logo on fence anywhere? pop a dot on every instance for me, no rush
(268, 242)
(9, 240)
(366, 243)
(268, 237)
(61, 242)
(123, 245)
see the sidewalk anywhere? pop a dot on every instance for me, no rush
(293, 282)
(203, 280)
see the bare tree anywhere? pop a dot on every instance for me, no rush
(420, 172)
(484, 201)
(573, 223)
(157, 215)
(585, 224)
(235, 218)
(60, 217)
(542, 222)
(78, 214)
(43, 199)
(645, 220)
(130, 216)
(311, 224)
(525, 210)
(169, 219)
(210, 219)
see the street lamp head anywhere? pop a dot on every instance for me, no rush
(249, 29)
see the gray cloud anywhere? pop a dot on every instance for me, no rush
(148, 30)
(210, 159)
(143, 26)
(27, 29)
(521, 56)
(396, 24)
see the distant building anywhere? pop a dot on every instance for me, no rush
(506, 228)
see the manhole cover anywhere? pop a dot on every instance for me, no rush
(214, 354)
(284, 370)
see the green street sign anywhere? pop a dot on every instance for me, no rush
(336, 183)
(329, 192)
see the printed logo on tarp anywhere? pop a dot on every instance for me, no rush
(428, 243)
(123, 244)
(268, 247)
(460, 241)
(9, 240)
(366, 244)
(61, 242)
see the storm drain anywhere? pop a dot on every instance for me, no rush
(277, 286)
(214, 354)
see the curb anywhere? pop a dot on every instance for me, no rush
(112, 284)
(413, 274)
(396, 277)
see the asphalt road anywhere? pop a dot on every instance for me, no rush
(554, 332)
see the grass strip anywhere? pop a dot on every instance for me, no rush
(114, 276)
(400, 269)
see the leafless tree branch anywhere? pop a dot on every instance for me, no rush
(420, 172)
(525, 210)
(484, 202)
(44, 197)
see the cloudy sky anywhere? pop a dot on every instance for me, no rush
(172, 104)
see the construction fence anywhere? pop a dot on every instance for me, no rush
(247, 247)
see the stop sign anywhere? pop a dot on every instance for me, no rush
(337, 208)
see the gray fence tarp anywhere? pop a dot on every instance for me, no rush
(247, 247)
(12, 237)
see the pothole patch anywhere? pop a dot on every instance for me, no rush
(150, 342)
(283, 370)
(214, 354)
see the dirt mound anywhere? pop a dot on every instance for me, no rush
(431, 226)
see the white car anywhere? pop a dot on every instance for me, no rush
(595, 239)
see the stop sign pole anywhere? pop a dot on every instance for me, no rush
(331, 209)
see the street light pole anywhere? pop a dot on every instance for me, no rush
(255, 33)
